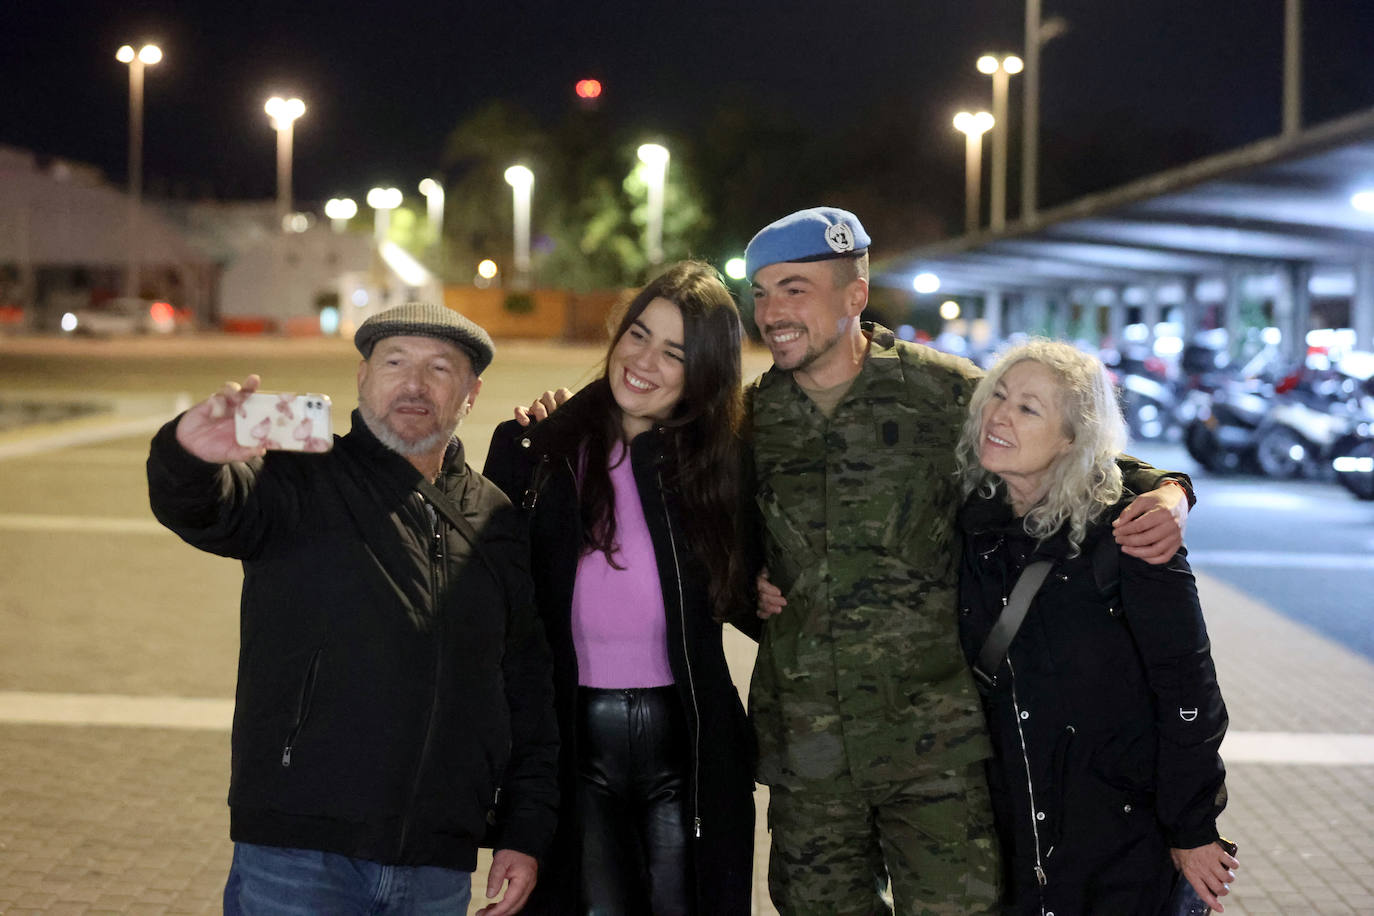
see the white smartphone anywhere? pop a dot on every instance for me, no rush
(285, 421)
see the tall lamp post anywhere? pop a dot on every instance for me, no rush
(655, 159)
(284, 113)
(1001, 70)
(972, 125)
(383, 201)
(146, 56)
(434, 218)
(340, 210)
(521, 180)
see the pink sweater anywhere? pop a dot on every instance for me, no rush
(619, 625)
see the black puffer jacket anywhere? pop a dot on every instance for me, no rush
(523, 464)
(1106, 718)
(388, 683)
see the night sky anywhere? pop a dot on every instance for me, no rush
(1131, 87)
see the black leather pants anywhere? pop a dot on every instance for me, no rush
(633, 771)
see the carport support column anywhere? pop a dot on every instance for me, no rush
(992, 314)
(1034, 313)
(1149, 312)
(1190, 313)
(1362, 303)
(1058, 309)
(1296, 279)
(1231, 317)
(1116, 316)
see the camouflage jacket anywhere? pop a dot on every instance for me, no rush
(860, 681)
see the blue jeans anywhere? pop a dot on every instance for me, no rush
(271, 881)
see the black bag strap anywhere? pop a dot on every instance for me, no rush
(1009, 622)
(445, 507)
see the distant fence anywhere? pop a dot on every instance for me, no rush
(547, 314)
(541, 314)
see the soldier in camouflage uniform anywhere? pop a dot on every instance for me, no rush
(870, 732)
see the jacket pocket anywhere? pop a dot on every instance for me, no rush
(307, 693)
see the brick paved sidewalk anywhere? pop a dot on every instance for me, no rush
(100, 819)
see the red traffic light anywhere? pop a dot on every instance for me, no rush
(588, 89)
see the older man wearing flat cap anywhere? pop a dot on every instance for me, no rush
(394, 701)
(870, 731)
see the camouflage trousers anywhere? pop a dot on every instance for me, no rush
(932, 840)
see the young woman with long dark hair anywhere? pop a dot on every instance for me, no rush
(632, 489)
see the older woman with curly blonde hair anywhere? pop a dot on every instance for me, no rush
(1104, 709)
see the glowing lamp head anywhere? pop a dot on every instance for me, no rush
(925, 282)
(486, 269)
(341, 208)
(987, 64)
(284, 111)
(652, 154)
(974, 124)
(125, 55)
(588, 89)
(518, 176)
(734, 268)
(150, 54)
(1013, 64)
(384, 198)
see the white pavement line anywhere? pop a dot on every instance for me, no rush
(80, 524)
(1297, 747)
(1279, 559)
(28, 708)
(85, 434)
(23, 707)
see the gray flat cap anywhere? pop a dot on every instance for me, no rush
(425, 319)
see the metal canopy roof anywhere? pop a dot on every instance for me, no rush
(1285, 199)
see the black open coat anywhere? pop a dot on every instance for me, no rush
(390, 681)
(538, 476)
(1106, 718)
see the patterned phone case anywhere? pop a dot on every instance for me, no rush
(285, 421)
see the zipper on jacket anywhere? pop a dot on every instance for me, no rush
(1030, 785)
(436, 583)
(302, 706)
(687, 661)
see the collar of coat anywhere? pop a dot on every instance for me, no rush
(361, 440)
(882, 376)
(565, 427)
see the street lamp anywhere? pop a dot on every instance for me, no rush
(145, 57)
(382, 200)
(1001, 70)
(655, 159)
(434, 218)
(340, 210)
(972, 126)
(284, 113)
(434, 208)
(521, 181)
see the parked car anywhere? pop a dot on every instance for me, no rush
(126, 316)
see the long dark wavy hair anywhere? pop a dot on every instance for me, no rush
(701, 455)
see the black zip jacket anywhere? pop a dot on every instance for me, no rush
(388, 683)
(522, 462)
(1106, 718)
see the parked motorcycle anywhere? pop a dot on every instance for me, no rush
(1221, 434)
(1287, 430)
(1354, 462)
(1148, 399)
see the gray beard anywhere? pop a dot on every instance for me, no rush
(396, 443)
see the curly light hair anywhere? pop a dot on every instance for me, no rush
(1085, 481)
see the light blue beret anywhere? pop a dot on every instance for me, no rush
(817, 234)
